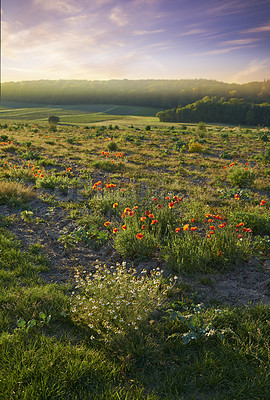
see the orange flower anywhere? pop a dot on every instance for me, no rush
(115, 230)
(177, 230)
(212, 232)
(151, 216)
(167, 198)
(263, 202)
(126, 210)
(154, 199)
(139, 236)
(143, 227)
(107, 223)
(230, 165)
(222, 225)
(115, 205)
(212, 227)
(193, 228)
(135, 207)
(41, 176)
(236, 196)
(208, 215)
(210, 220)
(155, 221)
(186, 227)
(124, 227)
(192, 220)
(224, 167)
(171, 204)
(143, 218)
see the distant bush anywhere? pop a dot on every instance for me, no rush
(195, 147)
(112, 146)
(259, 223)
(241, 178)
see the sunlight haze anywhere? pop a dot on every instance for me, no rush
(135, 39)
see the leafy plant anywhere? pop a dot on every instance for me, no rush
(241, 177)
(199, 327)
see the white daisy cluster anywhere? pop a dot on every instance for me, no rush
(113, 300)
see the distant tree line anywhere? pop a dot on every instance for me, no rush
(232, 111)
(162, 94)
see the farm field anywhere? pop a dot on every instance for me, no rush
(134, 256)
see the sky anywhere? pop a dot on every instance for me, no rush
(224, 40)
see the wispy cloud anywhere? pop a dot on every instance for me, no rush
(118, 16)
(254, 71)
(258, 29)
(218, 51)
(62, 6)
(148, 32)
(239, 42)
(193, 32)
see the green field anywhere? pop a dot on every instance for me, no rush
(134, 257)
(77, 114)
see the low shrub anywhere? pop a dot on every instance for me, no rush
(195, 147)
(241, 177)
(114, 300)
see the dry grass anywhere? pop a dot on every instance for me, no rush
(15, 191)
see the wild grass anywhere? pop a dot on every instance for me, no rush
(129, 331)
(15, 193)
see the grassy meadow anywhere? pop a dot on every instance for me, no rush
(134, 256)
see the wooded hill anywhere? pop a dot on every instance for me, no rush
(232, 111)
(163, 94)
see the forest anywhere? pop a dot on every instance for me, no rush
(163, 94)
(232, 111)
